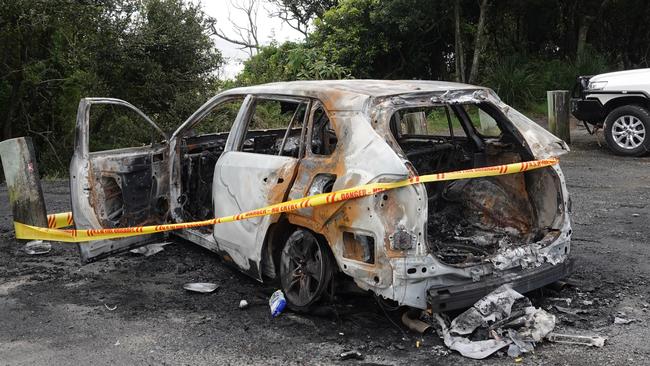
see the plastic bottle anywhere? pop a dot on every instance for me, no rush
(277, 302)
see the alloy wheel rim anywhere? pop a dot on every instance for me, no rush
(628, 132)
(302, 269)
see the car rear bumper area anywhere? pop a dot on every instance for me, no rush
(588, 110)
(465, 295)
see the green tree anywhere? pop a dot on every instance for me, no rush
(157, 54)
(387, 39)
(289, 61)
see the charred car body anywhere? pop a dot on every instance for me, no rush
(441, 245)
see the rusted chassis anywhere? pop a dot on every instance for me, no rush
(379, 241)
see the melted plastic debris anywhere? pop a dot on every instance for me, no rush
(502, 318)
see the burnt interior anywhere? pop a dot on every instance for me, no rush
(470, 219)
(199, 155)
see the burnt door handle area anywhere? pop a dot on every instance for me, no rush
(158, 157)
(280, 180)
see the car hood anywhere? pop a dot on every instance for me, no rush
(629, 80)
(627, 75)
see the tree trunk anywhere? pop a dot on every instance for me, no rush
(459, 54)
(582, 36)
(14, 102)
(479, 41)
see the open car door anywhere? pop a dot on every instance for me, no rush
(118, 174)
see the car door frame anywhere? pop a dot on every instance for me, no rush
(248, 256)
(81, 178)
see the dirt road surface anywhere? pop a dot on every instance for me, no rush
(55, 311)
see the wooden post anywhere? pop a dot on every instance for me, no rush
(416, 123)
(23, 182)
(558, 114)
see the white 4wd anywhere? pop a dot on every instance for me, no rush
(619, 102)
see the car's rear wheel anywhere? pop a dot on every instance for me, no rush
(305, 269)
(626, 130)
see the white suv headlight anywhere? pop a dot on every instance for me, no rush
(596, 85)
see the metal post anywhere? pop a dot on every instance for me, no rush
(23, 182)
(558, 114)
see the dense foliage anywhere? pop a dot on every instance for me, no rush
(525, 48)
(157, 54)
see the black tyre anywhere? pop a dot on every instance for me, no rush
(305, 270)
(626, 130)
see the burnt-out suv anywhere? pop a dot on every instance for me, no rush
(441, 245)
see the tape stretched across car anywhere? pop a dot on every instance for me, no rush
(440, 245)
(60, 220)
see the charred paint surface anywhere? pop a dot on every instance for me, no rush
(117, 188)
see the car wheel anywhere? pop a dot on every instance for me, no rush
(305, 270)
(626, 130)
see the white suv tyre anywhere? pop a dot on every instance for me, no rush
(627, 130)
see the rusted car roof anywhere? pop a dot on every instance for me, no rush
(350, 94)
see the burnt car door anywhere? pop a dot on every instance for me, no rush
(118, 174)
(255, 171)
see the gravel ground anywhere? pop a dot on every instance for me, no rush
(55, 311)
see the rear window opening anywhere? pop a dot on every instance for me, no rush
(470, 220)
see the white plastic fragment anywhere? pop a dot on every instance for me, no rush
(202, 287)
(150, 249)
(591, 341)
(571, 311)
(619, 320)
(243, 304)
(37, 247)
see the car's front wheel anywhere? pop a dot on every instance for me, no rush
(626, 130)
(305, 269)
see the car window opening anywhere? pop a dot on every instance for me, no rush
(275, 128)
(200, 149)
(323, 139)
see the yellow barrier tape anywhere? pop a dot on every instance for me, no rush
(59, 220)
(76, 236)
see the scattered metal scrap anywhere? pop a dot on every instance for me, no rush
(502, 318)
(415, 324)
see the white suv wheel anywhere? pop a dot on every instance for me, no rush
(628, 132)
